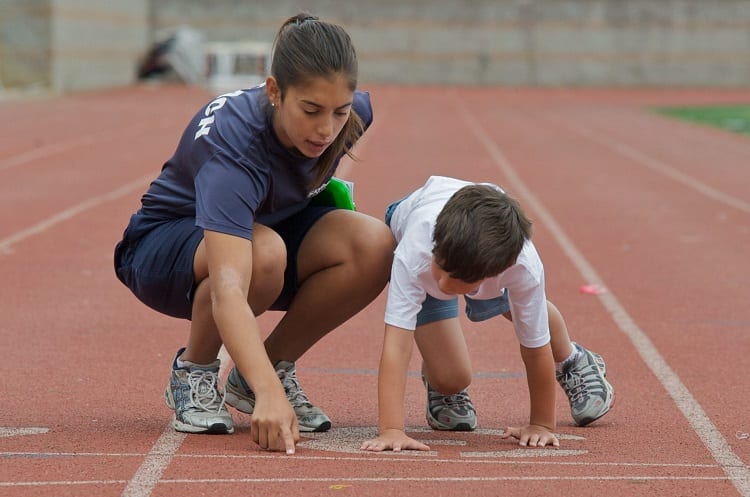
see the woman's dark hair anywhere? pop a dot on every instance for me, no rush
(306, 48)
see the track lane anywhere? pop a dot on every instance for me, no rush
(99, 338)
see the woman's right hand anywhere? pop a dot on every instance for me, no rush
(273, 424)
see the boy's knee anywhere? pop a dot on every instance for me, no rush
(451, 384)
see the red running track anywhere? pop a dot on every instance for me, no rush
(655, 211)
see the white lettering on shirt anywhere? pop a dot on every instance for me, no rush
(204, 126)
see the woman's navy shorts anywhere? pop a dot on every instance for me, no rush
(158, 266)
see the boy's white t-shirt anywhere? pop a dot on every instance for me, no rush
(413, 223)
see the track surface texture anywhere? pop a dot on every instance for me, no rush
(652, 211)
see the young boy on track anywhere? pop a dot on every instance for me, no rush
(460, 238)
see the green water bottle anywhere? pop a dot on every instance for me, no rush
(337, 193)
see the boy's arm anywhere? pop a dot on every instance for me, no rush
(394, 364)
(540, 372)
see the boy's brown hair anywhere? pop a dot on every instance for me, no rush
(479, 233)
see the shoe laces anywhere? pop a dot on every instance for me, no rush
(294, 392)
(204, 390)
(578, 381)
(460, 399)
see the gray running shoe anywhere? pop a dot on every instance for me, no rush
(310, 418)
(196, 398)
(585, 383)
(450, 412)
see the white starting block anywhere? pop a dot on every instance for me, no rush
(236, 65)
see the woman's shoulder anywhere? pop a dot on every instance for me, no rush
(251, 106)
(233, 119)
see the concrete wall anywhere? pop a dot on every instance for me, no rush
(74, 44)
(67, 45)
(97, 43)
(25, 41)
(511, 42)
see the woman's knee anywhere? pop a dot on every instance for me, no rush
(373, 244)
(201, 300)
(269, 265)
(269, 255)
(355, 242)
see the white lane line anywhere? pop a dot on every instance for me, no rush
(50, 455)
(45, 151)
(106, 136)
(340, 482)
(162, 453)
(348, 439)
(537, 452)
(7, 242)
(166, 446)
(738, 471)
(457, 479)
(10, 431)
(471, 461)
(156, 461)
(661, 167)
(59, 483)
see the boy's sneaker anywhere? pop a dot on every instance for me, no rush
(585, 383)
(194, 395)
(310, 418)
(450, 412)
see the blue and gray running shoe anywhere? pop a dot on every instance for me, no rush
(242, 398)
(585, 383)
(196, 398)
(450, 412)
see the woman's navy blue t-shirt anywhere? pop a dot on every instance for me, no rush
(230, 170)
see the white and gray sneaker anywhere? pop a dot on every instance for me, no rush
(450, 412)
(197, 399)
(585, 383)
(310, 418)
